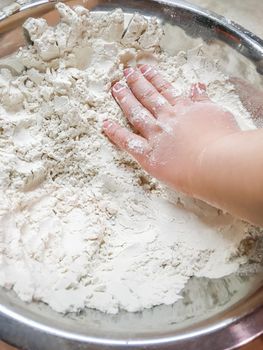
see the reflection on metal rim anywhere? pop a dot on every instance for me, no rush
(242, 321)
(194, 20)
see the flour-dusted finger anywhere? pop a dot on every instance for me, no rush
(147, 94)
(165, 88)
(134, 144)
(142, 120)
(198, 92)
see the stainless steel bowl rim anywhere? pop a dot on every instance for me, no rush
(227, 334)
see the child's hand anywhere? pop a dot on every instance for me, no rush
(174, 131)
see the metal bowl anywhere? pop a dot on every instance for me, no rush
(215, 314)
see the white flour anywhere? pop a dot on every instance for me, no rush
(81, 225)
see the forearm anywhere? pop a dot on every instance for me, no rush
(231, 175)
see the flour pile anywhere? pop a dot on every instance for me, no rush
(81, 225)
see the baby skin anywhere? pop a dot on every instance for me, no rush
(190, 143)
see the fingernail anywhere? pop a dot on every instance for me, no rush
(145, 69)
(198, 89)
(118, 87)
(128, 71)
(202, 87)
(198, 92)
(107, 124)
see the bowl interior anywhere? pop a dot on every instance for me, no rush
(204, 301)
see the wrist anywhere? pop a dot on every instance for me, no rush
(211, 177)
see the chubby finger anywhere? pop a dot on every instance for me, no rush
(134, 144)
(147, 94)
(165, 88)
(198, 92)
(142, 120)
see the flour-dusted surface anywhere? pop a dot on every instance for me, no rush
(81, 225)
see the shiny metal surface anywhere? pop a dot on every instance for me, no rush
(213, 314)
(192, 19)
